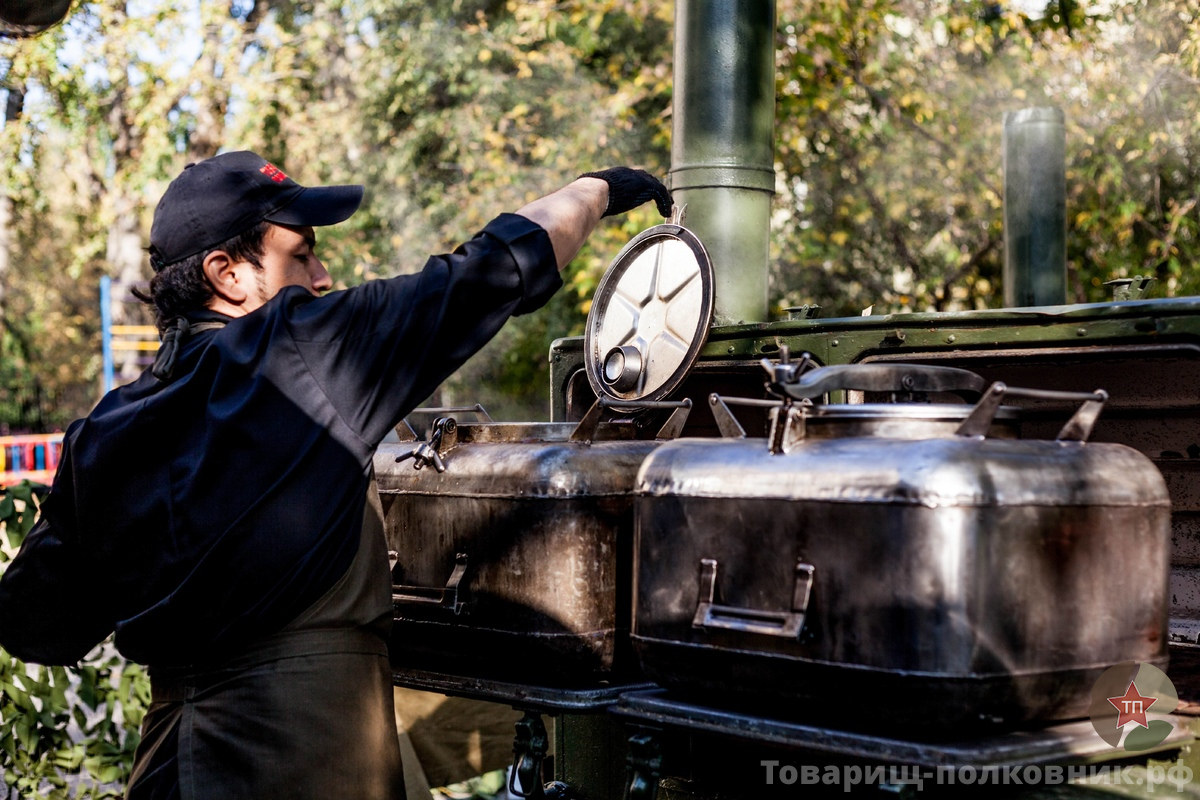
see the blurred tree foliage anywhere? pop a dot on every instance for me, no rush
(888, 144)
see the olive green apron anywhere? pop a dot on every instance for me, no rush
(306, 713)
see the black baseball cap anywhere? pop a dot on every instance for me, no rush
(214, 200)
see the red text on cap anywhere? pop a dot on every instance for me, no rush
(273, 172)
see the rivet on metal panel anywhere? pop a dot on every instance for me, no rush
(951, 339)
(834, 343)
(1081, 332)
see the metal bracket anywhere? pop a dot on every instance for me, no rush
(727, 424)
(405, 432)
(1130, 288)
(644, 764)
(585, 431)
(441, 597)
(785, 624)
(530, 746)
(788, 426)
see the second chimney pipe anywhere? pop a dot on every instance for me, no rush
(1035, 208)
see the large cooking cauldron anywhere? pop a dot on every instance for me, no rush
(916, 562)
(513, 547)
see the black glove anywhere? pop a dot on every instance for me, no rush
(629, 188)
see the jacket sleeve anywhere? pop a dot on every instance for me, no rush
(49, 601)
(381, 348)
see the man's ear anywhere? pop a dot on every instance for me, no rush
(223, 276)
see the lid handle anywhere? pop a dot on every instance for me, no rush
(1077, 429)
(881, 378)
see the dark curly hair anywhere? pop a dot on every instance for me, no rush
(181, 287)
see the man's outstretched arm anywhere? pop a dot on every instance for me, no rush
(571, 214)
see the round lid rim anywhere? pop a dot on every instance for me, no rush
(902, 411)
(629, 253)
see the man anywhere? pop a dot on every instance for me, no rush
(211, 513)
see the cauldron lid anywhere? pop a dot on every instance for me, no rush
(650, 315)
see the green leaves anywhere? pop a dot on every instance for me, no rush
(896, 103)
(65, 732)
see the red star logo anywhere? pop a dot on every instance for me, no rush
(1132, 707)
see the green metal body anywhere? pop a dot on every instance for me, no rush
(1142, 324)
(722, 143)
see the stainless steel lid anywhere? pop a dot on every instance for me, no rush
(650, 315)
(901, 420)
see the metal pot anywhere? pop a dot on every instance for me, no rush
(512, 546)
(919, 561)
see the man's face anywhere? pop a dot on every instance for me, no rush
(289, 259)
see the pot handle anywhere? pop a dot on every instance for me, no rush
(882, 378)
(1077, 429)
(585, 431)
(785, 624)
(439, 597)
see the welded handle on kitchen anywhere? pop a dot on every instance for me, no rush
(445, 597)
(1078, 427)
(882, 378)
(785, 624)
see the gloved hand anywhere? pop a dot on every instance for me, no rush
(629, 188)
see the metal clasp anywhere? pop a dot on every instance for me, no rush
(426, 453)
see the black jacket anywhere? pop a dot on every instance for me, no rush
(196, 515)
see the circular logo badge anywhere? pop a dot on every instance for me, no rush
(1129, 702)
